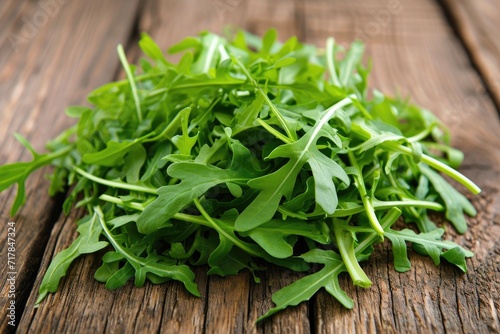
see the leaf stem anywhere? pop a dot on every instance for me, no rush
(367, 202)
(221, 231)
(345, 244)
(116, 200)
(130, 77)
(115, 184)
(438, 165)
(210, 55)
(377, 205)
(364, 132)
(387, 221)
(275, 110)
(330, 61)
(274, 132)
(140, 207)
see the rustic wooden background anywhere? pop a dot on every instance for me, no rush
(445, 54)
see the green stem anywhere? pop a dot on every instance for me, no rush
(130, 77)
(345, 244)
(132, 259)
(330, 61)
(273, 108)
(140, 207)
(115, 184)
(438, 165)
(377, 205)
(421, 135)
(367, 203)
(274, 132)
(237, 242)
(364, 132)
(210, 55)
(216, 83)
(47, 158)
(116, 200)
(387, 221)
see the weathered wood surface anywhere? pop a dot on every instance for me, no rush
(415, 52)
(50, 56)
(478, 23)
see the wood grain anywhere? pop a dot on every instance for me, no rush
(415, 52)
(227, 304)
(231, 304)
(57, 59)
(478, 24)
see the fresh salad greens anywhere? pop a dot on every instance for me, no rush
(249, 152)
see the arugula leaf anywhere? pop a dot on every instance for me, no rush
(456, 203)
(274, 235)
(151, 264)
(280, 183)
(196, 179)
(432, 245)
(249, 151)
(18, 172)
(304, 288)
(86, 243)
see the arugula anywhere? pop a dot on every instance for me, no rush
(86, 243)
(280, 183)
(249, 151)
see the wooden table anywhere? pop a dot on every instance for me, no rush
(445, 54)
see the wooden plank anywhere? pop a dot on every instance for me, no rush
(478, 23)
(100, 310)
(9, 11)
(42, 72)
(227, 304)
(395, 303)
(233, 303)
(415, 53)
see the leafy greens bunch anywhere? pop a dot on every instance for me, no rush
(249, 152)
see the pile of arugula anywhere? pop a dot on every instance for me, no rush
(244, 153)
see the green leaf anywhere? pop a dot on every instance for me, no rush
(248, 151)
(281, 183)
(87, 242)
(349, 62)
(152, 263)
(150, 48)
(268, 41)
(120, 277)
(456, 203)
(90, 233)
(57, 270)
(183, 142)
(196, 179)
(114, 152)
(246, 116)
(432, 245)
(304, 288)
(273, 236)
